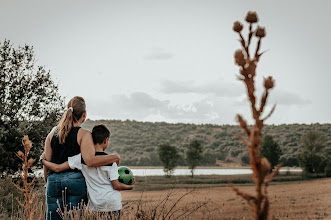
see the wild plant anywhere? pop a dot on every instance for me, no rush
(247, 63)
(28, 187)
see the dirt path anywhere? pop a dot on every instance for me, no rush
(299, 200)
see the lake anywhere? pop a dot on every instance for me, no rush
(186, 172)
(200, 171)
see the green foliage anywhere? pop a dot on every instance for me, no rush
(327, 169)
(154, 160)
(181, 160)
(245, 158)
(235, 153)
(30, 103)
(271, 150)
(289, 160)
(8, 193)
(169, 157)
(209, 159)
(193, 155)
(144, 137)
(312, 158)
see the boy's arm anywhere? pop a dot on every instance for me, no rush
(56, 167)
(113, 177)
(121, 186)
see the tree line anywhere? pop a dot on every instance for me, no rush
(313, 158)
(138, 141)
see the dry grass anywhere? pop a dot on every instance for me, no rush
(297, 200)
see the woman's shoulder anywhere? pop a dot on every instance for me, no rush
(52, 132)
(83, 132)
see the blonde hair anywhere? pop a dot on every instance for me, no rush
(76, 108)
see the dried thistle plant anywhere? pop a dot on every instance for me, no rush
(247, 63)
(28, 187)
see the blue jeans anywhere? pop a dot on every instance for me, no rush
(68, 189)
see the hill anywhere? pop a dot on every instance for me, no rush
(137, 142)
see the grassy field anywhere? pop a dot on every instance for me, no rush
(205, 181)
(202, 197)
(293, 200)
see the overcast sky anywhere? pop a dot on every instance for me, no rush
(172, 60)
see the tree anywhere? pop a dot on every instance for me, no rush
(169, 157)
(30, 103)
(194, 155)
(271, 150)
(312, 158)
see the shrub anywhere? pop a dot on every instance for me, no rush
(208, 159)
(245, 159)
(8, 193)
(327, 169)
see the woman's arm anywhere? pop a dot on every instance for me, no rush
(48, 150)
(88, 151)
(121, 186)
(56, 167)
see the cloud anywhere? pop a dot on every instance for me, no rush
(137, 104)
(218, 88)
(158, 54)
(289, 98)
(141, 106)
(279, 97)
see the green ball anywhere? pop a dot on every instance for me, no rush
(126, 175)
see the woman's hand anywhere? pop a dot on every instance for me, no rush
(42, 156)
(118, 160)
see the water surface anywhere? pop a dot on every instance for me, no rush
(186, 172)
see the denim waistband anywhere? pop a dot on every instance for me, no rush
(50, 172)
(64, 176)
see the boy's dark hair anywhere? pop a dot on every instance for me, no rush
(100, 133)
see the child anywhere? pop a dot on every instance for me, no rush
(102, 182)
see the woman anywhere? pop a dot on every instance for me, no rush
(66, 140)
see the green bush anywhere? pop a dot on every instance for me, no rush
(327, 169)
(245, 159)
(208, 159)
(290, 161)
(235, 153)
(8, 194)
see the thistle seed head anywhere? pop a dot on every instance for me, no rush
(269, 82)
(260, 32)
(251, 17)
(237, 26)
